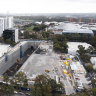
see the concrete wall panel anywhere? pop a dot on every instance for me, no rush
(13, 55)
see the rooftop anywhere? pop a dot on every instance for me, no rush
(71, 28)
(4, 49)
(73, 46)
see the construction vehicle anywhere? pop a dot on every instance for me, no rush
(68, 59)
(69, 75)
(64, 71)
(66, 63)
(47, 71)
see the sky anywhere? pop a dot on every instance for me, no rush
(47, 6)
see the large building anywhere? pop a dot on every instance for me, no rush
(73, 47)
(5, 23)
(70, 28)
(8, 22)
(11, 34)
(1, 26)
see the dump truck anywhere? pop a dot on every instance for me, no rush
(47, 71)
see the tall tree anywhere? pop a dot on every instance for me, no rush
(81, 50)
(45, 86)
(6, 78)
(89, 68)
(20, 79)
(64, 47)
(6, 90)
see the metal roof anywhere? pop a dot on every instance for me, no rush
(72, 28)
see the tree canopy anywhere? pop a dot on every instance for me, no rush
(83, 54)
(45, 86)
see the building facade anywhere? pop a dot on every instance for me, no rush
(5, 23)
(8, 22)
(12, 34)
(70, 28)
(1, 26)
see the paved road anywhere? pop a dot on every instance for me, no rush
(65, 78)
(68, 87)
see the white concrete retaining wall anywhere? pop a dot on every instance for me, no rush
(14, 54)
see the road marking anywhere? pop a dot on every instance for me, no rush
(68, 86)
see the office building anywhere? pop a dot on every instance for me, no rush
(8, 23)
(5, 23)
(11, 34)
(1, 26)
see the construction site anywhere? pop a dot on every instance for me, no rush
(38, 57)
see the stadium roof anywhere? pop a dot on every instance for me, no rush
(72, 28)
(79, 31)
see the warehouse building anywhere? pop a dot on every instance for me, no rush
(73, 47)
(70, 28)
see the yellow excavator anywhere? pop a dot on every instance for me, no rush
(47, 71)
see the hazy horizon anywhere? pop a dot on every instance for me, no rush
(48, 14)
(47, 6)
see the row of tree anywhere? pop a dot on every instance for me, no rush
(60, 44)
(85, 57)
(77, 38)
(43, 85)
(35, 31)
(83, 54)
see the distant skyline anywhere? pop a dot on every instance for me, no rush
(47, 6)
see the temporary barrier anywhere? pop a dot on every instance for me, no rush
(6, 57)
(21, 54)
